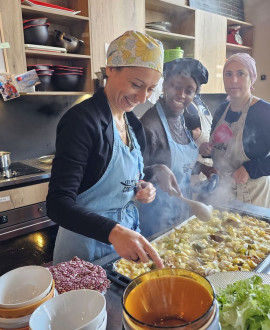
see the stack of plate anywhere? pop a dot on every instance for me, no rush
(161, 26)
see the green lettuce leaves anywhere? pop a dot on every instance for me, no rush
(245, 305)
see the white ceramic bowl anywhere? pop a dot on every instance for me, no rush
(19, 322)
(24, 286)
(73, 310)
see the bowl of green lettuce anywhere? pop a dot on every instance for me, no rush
(245, 305)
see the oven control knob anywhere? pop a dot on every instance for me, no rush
(3, 219)
(40, 209)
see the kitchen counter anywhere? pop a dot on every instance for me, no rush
(115, 292)
(31, 178)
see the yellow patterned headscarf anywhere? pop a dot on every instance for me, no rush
(134, 48)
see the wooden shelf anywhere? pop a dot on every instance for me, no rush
(52, 55)
(61, 18)
(165, 36)
(167, 5)
(231, 21)
(57, 93)
(237, 47)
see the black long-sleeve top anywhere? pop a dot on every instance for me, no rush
(256, 136)
(84, 145)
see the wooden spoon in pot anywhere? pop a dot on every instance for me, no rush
(200, 210)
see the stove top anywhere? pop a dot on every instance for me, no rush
(19, 169)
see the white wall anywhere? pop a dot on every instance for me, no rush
(257, 12)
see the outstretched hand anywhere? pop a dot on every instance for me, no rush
(133, 246)
(165, 178)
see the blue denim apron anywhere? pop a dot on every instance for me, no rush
(166, 211)
(112, 197)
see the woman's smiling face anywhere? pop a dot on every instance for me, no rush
(179, 91)
(237, 82)
(129, 86)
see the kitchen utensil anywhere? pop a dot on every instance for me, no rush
(34, 21)
(71, 43)
(76, 309)
(26, 310)
(39, 66)
(172, 54)
(66, 81)
(200, 210)
(36, 34)
(17, 322)
(161, 26)
(221, 134)
(24, 286)
(64, 70)
(45, 82)
(46, 159)
(169, 298)
(4, 160)
(50, 6)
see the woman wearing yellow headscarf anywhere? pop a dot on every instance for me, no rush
(98, 162)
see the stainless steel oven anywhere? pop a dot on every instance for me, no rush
(22, 200)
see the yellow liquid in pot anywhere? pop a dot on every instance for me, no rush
(168, 301)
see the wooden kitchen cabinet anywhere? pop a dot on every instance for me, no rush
(13, 13)
(201, 34)
(210, 48)
(110, 19)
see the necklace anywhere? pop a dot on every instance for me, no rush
(178, 131)
(122, 131)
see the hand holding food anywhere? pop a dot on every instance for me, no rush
(133, 246)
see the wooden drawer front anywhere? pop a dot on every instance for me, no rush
(19, 197)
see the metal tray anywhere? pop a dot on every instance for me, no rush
(113, 275)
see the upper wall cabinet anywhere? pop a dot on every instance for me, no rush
(19, 57)
(110, 19)
(200, 34)
(210, 48)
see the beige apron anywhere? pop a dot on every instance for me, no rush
(227, 158)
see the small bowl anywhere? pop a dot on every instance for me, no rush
(68, 67)
(10, 313)
(76, 309)
(45, 80)
(24, 286)
(17, 322)
(36, 34)
(47, 71)
(39, 66)
(35, 21)
(64, 70)
(71, 43)
(67, 81)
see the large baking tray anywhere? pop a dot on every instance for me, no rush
(113, 275)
